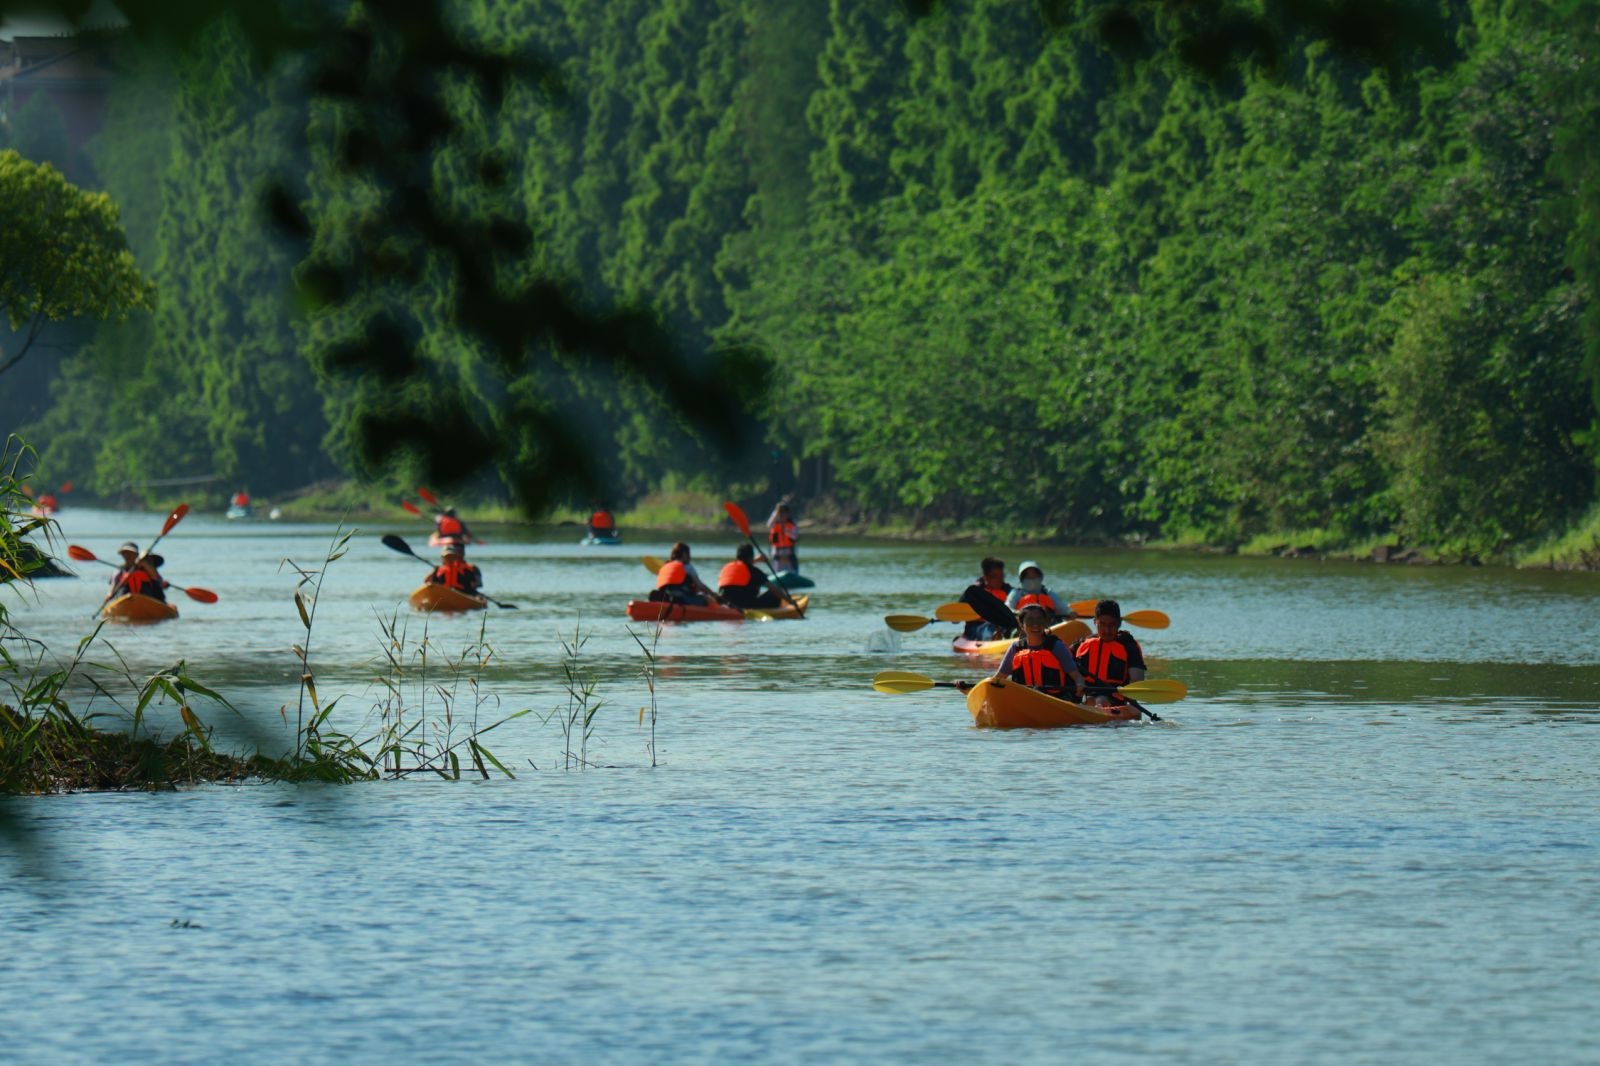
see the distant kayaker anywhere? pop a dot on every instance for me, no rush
(454, 571)
(1109, 658)
(783, 535)
(984, 595)
(448, 527)
(742, 585)
(602, 524)
(240, 499)
(1039, 658)
(138, 575)
(678, 582)
(1031, 589)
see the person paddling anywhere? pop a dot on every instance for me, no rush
(742, 585)
(984, 596)
(1109, 658)
(138, 576)
(1031, 589)
(447, 526)
(783, 535)
(455, 572)
(678, 582)
(602, 524)
(1038, 658)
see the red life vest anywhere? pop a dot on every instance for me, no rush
(449, 527)
(1040, 667)
(134, 581)
(1043, 599)
(671, 573)
(735, 575)
(782, 535)
(1103, 662)
(1000, 593)
(454, 574)
(241, 499)
(602, 520)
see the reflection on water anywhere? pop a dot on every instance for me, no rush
(1370, 834)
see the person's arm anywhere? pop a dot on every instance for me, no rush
(1062, 608)
(1013, 596)
(1136, 665)
(1070, 661)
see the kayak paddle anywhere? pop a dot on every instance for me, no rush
(84, 555)
(945, 612)
(736, 513)
(398, 544)
(1142, 619)
(1154, 690)
(166, 527)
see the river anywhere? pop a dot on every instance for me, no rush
(1371, 833)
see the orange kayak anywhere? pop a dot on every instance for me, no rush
(131, 607)
(652, 611)
(445, 598)
(1014, 706)
(1071, 630)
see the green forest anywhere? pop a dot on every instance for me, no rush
(981, 269)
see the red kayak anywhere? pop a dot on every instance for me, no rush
(653, 611)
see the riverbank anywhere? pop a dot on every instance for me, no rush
(1577, 548)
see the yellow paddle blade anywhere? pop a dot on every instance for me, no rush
(955, 612)
(1083, 608)
(1071, 630)
(652, 564)
(900, 682)
(905, 623)
(1160, 690)
(1147, 619)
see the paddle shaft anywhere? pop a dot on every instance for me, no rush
(394, 543)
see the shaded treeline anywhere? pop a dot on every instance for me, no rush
(1011, 262)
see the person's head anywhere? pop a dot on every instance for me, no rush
(1107, 619)
(745, 554)
(452, 551)
(783, 510)
(994, 572)
(1031, 576)
(449, 512)
(129, 552)
(1034, 620)
(152, 563)
(680, 552)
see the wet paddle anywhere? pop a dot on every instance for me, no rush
(84, 555)
(396, 543)
(1142, 619)
(166, 527)
(1153, 690)
(736, 513)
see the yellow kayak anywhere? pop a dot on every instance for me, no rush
(131, 607)
(1014, 706)
(445, 598)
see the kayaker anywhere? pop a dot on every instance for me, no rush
(454, 571)
(742, 585)
(783, 535)
(447, 526)
(602, 524)
(1038, 658)
(678, 582)
(1031, 589)
(1109, 658)
(138, 576)
(240, 499)
(984, 595)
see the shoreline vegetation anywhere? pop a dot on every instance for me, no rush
(692, 510)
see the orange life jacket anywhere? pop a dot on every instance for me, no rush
(736, 575)
(449, 527)
(454, 574)
(134, 581)
(1103, 662)
(1041, 598)
(671, 573)
(1040, 667)
(782, 535)
(602, 520)
(241, 500)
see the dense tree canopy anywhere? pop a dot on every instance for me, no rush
(1108, 269)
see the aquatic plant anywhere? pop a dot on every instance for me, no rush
(648, 672)
(579, 683)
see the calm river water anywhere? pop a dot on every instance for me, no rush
(1371, 834)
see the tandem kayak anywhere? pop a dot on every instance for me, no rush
(445, 598)
(1013, 706)
(652, 611)
(612, 539)
(790, 579)
(1071, 630)
(131, 607)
